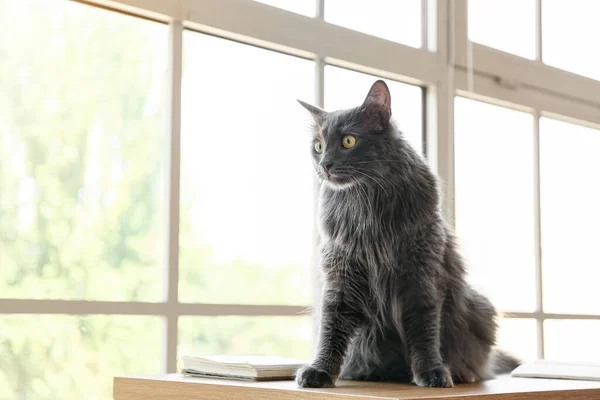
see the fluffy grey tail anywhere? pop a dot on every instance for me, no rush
(502, 363)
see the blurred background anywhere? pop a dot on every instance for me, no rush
(156, 188)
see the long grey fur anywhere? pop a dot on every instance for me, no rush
(395, 304)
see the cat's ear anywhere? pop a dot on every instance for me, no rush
(317, 113)
(377, 106)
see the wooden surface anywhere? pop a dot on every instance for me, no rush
(175, 386)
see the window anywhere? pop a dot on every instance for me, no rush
(495, 187)
(506, 25)
(519, 336)
(304, 7)
(81, 139)
(570, 194)
(547, 36)
(157, 190)
(246, 175)
(81, 175)
(569, 32)
(76, 356)
(579, 333)
(494, 212)
(550, 297)
(399, 21)
(284, 336)
(90, 239)
(494, 194)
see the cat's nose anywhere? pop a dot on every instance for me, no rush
(326, 165)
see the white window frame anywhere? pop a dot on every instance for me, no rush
(490, 75)
(441, 67)
(521, 75)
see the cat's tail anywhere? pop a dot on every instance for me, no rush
(501, 362)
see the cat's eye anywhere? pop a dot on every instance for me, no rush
(319, 146)
(348, 141)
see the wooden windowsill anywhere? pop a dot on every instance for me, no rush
(176, 386)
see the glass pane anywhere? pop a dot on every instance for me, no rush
(398, 21)
(274, 336)
(82, 134)
(572, 340)
(570, 32)
(304, 7)
(507, 25)
(68, 357)
(246, 175)
(570, 194)
(494, 201)
(346, 89)
(519, 336)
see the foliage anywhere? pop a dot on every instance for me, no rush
(82, 205)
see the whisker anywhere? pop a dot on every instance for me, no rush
(373, 161)
(374, 180)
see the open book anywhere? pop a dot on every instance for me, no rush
(556, 370)
(240, 367)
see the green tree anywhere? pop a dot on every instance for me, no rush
(82, 205)
(81, 193)
(81, 141)
(82, 201)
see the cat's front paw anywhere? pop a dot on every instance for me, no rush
(438, 377)
(310, 377)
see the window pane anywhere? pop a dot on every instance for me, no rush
(572, 340)
(346, 89)
(570, 32)
(570, 194)
(494, 201)
(519, 336)
(246, 175)
(68, 357)
(279, 336)
(507, 25)
(398, 21)
(81, 152)
(304, 7)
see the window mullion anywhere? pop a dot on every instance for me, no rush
(424, 24)
(538, 235)
(439, 108)
(317, 283)
(173, 175)
(320, 9)
(538, 31)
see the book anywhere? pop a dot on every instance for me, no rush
(558, 370)
(258, 368)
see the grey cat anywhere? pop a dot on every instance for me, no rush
(395, 304)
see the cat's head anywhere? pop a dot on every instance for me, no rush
(349, 145)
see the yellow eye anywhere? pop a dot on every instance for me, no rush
(348, 141)
(319, 146)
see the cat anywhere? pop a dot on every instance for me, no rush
(395, 303)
